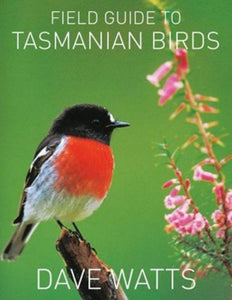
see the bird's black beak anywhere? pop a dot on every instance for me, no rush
(120, 124)
(117, 124)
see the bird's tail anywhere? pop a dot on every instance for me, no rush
(19, 239)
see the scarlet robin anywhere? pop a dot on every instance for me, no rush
(70, 174)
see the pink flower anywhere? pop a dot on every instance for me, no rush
(182, 230)
(182, 62)
(171, 86)
(218, 190)
(199, 222)
(160, 73)
(173, 199)
(200, 174)
(170, 218)
(220, 234)
(175, 191)
(189, 223)
(168, 202)
(218, 217)
(185, 207)
(229, 217)
(186, 218)
(215, 215)
(179, 212)
(186, 223)
(196, 224)
(171, 202)
(229, 199)
(169, 183)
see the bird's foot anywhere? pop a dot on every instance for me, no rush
(77, 232)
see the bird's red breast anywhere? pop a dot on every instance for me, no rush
(84, 167)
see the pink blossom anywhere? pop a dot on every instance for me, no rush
(173, 199)
(229, 217)
(229, 199)
(171, 202)
(218, 217)
(170, 218)
(186, 223)
(218, 190)
(182, 62)
(168, 202)
(171, 86)
(178, 199)
(215, 215)
(182, 230)
(179, 212)
(199, 222)
(196, 224)
(189, 223)
(160, 73)
(185, 207)
(186, 218)
(220, 234)
(169, 183)
(200, 174)
(175, 191)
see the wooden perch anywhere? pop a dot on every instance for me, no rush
(84, 267)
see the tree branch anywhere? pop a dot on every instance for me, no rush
(92, 277)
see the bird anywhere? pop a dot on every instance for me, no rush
(70, 174)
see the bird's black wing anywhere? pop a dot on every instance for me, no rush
(45, 150)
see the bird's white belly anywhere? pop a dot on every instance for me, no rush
(58, 205)
(73, 209)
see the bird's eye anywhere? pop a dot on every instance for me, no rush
(96, 122)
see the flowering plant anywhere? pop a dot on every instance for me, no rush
(205, 242)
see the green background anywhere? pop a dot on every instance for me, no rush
(36, 85)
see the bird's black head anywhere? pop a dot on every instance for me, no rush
(87, 121)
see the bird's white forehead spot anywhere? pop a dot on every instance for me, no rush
(112, 119)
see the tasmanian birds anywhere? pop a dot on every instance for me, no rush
(70, 174)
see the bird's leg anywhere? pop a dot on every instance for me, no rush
(77, 231)
(60, 224)
(81, 237)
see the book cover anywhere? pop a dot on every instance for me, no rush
(163, 230)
